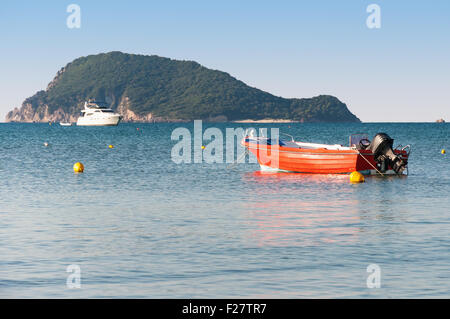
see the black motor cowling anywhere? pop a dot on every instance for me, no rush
(381, 147)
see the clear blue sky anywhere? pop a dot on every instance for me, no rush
(400, 72)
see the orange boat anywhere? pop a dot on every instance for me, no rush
(365, 156)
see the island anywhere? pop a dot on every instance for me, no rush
(150, 88)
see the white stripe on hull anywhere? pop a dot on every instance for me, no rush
(265, 168)
(111, 121)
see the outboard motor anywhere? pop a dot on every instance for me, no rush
(381, 147)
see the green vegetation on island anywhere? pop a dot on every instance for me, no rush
(170, 90)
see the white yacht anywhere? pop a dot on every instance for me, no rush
(95, 114)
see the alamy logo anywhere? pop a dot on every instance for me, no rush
(74, 19)
(74, 279)
(374, 279)
(208, 145)
(374, 19)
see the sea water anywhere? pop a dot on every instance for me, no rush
(136, 224)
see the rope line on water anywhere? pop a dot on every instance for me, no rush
(370, 164)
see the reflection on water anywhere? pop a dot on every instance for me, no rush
(270, 177)
(289, 209)
(300, 223)
(298, 219)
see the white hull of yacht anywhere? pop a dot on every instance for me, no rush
(111, 120)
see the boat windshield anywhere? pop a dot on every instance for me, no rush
(356, 138)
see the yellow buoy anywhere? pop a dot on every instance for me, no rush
(203, 147)
(356, 177)
(443, 152)
(78, 167)
(111, 146)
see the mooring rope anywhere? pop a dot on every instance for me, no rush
(370, 164)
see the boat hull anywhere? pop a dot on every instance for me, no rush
(95, 121)
(318, 161)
